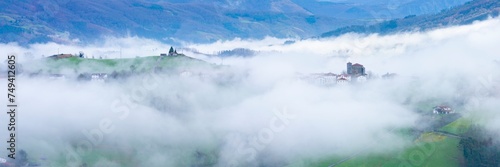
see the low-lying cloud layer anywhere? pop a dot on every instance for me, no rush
(268, 117)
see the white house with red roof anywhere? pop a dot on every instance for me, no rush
(343, 79)
(442, 109)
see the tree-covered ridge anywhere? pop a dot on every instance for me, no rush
(480, 148)
(64, 21)
(465, 14)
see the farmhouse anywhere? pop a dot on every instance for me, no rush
(442, 109)
(60, 56)
(343, 79)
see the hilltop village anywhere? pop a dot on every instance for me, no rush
(99, 76)
(171, 52)
(78, 67)
(355, 73)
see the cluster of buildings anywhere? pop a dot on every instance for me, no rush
(355, 73)
(98, 77)
(443, 109)
(171, 52)
(60, 56)
(63, 56)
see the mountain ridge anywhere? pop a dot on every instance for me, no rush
(476, 10)
(80, 21)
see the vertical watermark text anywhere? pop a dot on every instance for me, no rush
(11, 105)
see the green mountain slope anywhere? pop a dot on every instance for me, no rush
(82, 21)
(465, 14)
(75, 65)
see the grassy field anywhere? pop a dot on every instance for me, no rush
(80, 65)
(132, 157)
(458, 127)
(324, 162)
(428, 151)
(94, 157)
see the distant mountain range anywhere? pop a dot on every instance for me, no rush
(30, 21)
(465, 14)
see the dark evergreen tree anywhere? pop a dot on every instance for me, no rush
(171, 50)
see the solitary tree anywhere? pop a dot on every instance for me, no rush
(171, 50)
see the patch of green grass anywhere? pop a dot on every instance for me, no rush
(93, 157)
(441, 153)
(321, 162)
(406, 133)
(80, 65)
(367, 161)
(445, 153)
(96, 156)
(429, 150)
(357, 161)
(460, 126)
(430, 137)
